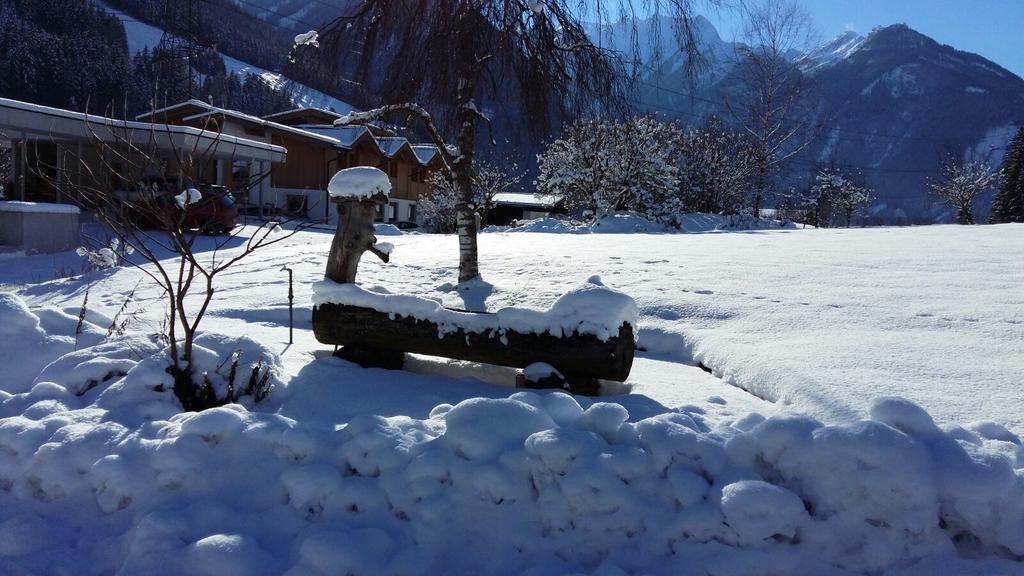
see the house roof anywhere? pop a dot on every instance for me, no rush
(391, 146)
(264, 123)
(302, 115)
(193, 103)
(33, 121)
(426, 153)
(347, 136)
(526, 200)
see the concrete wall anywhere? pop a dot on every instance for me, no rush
(38, 232)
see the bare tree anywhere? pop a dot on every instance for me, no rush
(959, 184)
(489, 179)
(840, 190)
(113, 178)
(460, 56)
(773, 91)
(716, 169)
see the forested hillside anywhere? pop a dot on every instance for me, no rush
(216, 24)
(64, 53)
(72, 54)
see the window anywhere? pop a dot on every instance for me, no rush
(412, 212)
(393, 209)
(393, 168)
(241, 171)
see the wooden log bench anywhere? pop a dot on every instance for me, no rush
(586, 336)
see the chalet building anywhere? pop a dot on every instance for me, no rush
(316, 151)
(55, 151)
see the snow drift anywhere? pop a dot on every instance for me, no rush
(111, 478)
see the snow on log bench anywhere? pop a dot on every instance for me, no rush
(586, 335)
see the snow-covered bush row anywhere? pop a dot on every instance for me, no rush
(529, 484)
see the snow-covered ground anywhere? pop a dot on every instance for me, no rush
(434, 470)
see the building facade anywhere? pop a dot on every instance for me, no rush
(317, 149)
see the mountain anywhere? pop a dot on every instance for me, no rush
(899, 101)
(891, 105)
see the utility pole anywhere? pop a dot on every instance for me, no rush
(178, 48)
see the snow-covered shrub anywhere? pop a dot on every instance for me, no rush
(835, 193)
(609, 165)
(109, 256)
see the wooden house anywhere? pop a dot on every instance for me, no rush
(316, 151)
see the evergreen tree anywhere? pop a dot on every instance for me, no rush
(1008, 205)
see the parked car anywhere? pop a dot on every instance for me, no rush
(208, 208)
(406, 225)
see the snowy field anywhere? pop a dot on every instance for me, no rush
(790, 457)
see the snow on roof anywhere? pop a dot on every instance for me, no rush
(425, 153)
(346, 136)
(527, 200)
(190, 102)
(89, 126)
(38, 207)
(301, 110)
(359, 182)
(391, 145)
(266, 123)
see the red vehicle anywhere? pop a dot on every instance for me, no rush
(210, 209)
(214, 213)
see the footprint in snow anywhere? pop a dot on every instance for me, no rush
(703, 291)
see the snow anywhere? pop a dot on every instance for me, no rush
(589, 309)
(524, 199)
(307, 38)
(359, 182)
(831, 53)
(890, 444)
(381, 229)
(540, 370)
(628, 223)
(37, 207)
(190, 196)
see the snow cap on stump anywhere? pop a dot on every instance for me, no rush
(359, 182)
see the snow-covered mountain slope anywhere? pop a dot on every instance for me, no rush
(831, 52)
(142, 35)
(654, 45)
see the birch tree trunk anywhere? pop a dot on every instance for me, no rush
(462, 170)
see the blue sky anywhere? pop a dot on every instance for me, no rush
(992, 28)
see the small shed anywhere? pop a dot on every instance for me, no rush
(511, 206)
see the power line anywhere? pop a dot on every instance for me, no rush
(845, 131)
